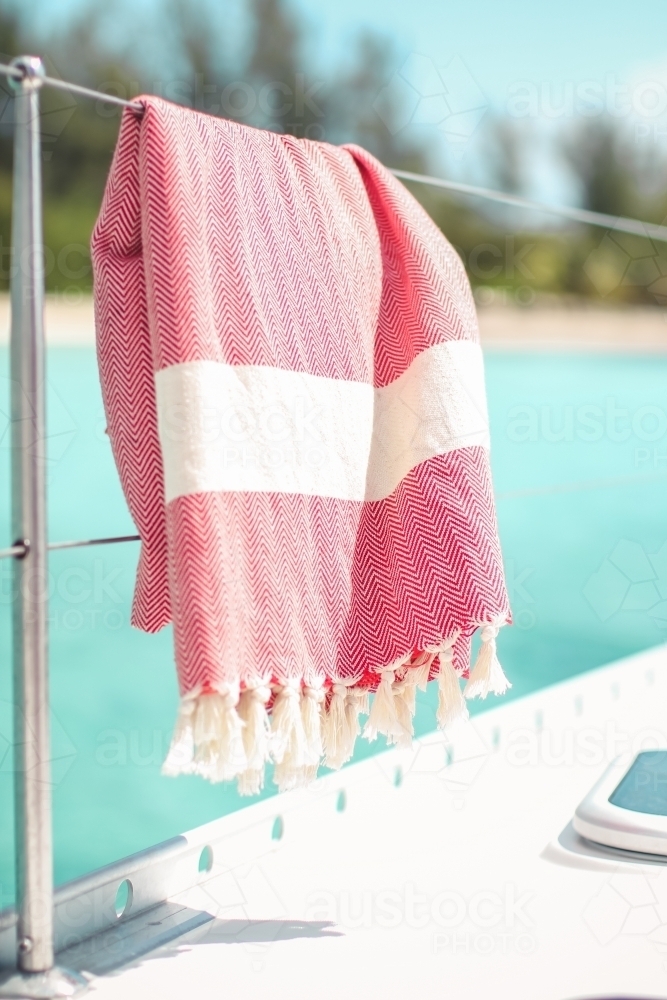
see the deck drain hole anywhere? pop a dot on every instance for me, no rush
(124, 895)
(341, 802)
(206, 859)
(278, 828)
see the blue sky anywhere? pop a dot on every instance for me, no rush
(502, 42)
(555, 64)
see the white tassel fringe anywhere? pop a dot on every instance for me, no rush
(208, 738)
(221, 737)
(256, 735)
(356, 704)
(336, 729)
(388, 713)
(219, 751)
(405, 696)
(288, 739)
(311, 717)
(451, 703)
(487, 675)
(419, 671)
(180, 758)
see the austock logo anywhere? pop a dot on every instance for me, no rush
(587, 423)
(630, 904)
(621, 260)
(453, 758)
(62, 428)
(630, 579)
(484, 922)
(78, 598)
(51, 123)
(62, 749)
(639, 101)
(248, 911)
(422, 93)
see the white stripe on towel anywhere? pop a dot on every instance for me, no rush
(259, 429)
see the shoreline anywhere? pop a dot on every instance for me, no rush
(558, 328)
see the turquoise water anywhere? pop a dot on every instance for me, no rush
(579, 448)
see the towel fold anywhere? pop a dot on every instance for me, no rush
(294, 391)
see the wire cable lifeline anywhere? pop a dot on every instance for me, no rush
(20, 548)
(634, 227)
(620, 224)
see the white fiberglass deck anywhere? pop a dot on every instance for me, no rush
(457, 881)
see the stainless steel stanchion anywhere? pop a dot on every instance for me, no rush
(36, 976)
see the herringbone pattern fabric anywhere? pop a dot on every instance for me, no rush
(221, 243)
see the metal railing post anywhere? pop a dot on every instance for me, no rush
(34, 866)
(36, 975)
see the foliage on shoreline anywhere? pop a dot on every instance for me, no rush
(275, 88)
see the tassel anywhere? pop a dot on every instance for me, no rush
(336, 728)
(451, 703)
(405, 694)
(383, 717)
(252, 710)
(341, 723)
(181, 753)
(363, 700)
(406, 680)
(418, 673)
(219, 753)
(352, 726)
(356, 704)
(311, 717)
(288, 740)
(487, 674)
(415, 676)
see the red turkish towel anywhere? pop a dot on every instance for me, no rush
(294, 390)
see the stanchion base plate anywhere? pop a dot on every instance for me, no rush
(51, 985)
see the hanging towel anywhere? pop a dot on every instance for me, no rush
(294, 390)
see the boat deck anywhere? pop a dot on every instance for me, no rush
(449, 869)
